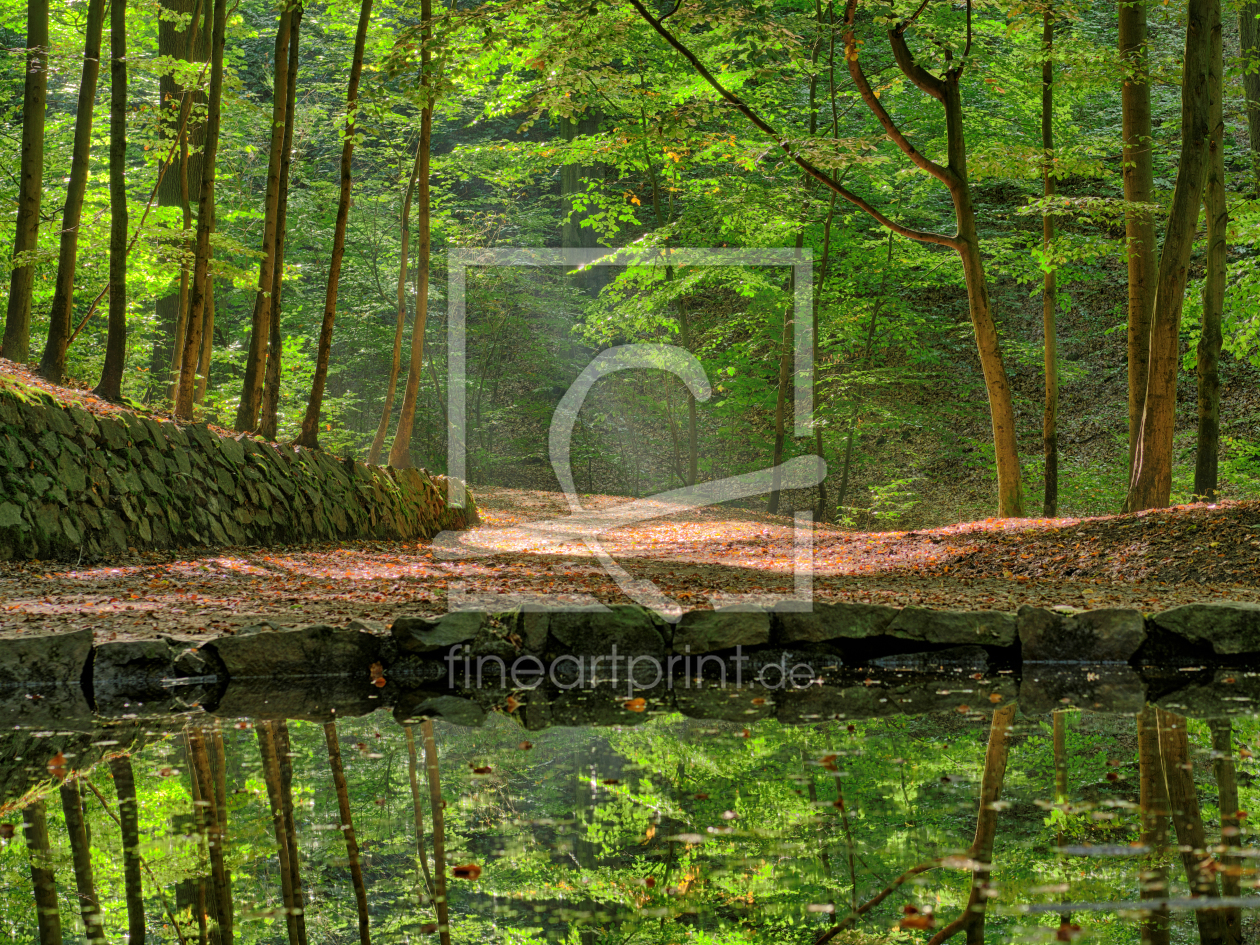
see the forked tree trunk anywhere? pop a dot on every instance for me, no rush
(1231, 832)
(1049, 288)
(52, 366)
(1214, 207)
(48, 916)
(267, 423)
(1183, 805)
(1153, 801)
(17, 322)
(400, 450)
(81, 856)
(1150, 485)
(413, 775)
(1139, 188)
(129, 821)
(110, 386)
(309, 437)
(205, 223)
(347, 828)
(436, 805)
(271, 776)
(260, 334)
(404, 248)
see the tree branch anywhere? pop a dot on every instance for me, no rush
(923, 80)
(830, 183)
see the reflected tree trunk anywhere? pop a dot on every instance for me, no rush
(436, 804)
(207, 804)
(81, 855)
(413, 775)
(285, 753)
(347, 828)
(129, 823)
(271, 775)
(1059, 732)
(1154, 804)
(1227, 791)
(35, 827)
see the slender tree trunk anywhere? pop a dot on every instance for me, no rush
(285, 753)
(129, 819)
(1153, 801)
(378, 441)
(267, 424)
(413, 775)
(52, 365)
(1214, 206)
(1049, 289)
(1059, 734)
(1183, 804)
(1139, 188)
(437, 806)
(207, 342)
(309, 437)
(256, 358)
(81, 855)
(400, 450)
(35, 828)
(1151, 482)
(110, 386)
(347, 828)
(221, 895)
(785, 380)
(1249, 35)
(17, 322)
(1227, 792)
(275, 795)
(205, 222)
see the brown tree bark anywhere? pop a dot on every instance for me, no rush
(285, 754)
(400, 450)
(1183, 805)
(268, 420)
(207, 342)
(214, 821)
(1153, 801)
(1049, 288)
(437, 805)
(205, 222)
(17, 323)
(275, 795)
(52, 366)
(110, 386)
(260, 333)
(347, 828)
(786, 360)
(81, 856)
(129, 821)
(413, 775)
(1227, 792)
(1214, 208)
(1249, 36)
(1139, 189)
(309, 437)
(1150, 485)
(48, 916)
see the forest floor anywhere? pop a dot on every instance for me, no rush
(1150, 561)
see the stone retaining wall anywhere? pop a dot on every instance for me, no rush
(74, 486)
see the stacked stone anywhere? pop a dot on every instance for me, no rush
(78, 487)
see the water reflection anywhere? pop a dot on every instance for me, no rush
(985, 825)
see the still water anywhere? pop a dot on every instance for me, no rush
(976, 823)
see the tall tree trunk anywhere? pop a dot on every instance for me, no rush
(1150, 485)
(129, 819)
(786, 376)
(207, 342)
(205, 222)
(1183, 805)
(1049, 289)
(1214, 207)
(35, 828)
(81, 855)
(1139, 188)
(1059, 736)
(1227, 792)
(208, 794)
(1153, 801)
(110, 386)
(400, 450)
(275, 795)
(1249, 35)
(413, 775)
(17, 322)
(267, 424)
(436, 805)
(260, 334)
(309, 437)
(52, 366)
(347, 828)
(285, 751)
(378, 441)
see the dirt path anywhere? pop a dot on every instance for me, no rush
(1150, 562)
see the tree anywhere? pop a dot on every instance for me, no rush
(81, 855)
(17, 322)
(275, 795)
(260, 333)
(1249, 34)
(347, 828)
(129, 821)
(1150, 485)
(436, 805)
(35, 830)
(110, 386)
(1227, 795)
(1049, 290)
(309, 436)
(1153, 800)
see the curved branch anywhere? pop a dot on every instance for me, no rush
(848, 921)
(923, 80)
(830, 183)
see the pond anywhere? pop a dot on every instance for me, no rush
(981, 818)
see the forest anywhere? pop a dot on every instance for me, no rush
(1021, 237)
